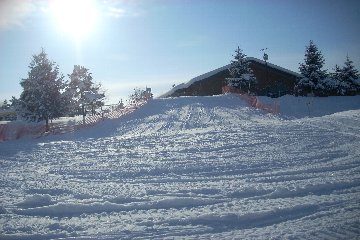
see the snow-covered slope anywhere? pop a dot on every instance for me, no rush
(192, 167)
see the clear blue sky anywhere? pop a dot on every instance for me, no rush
(158, 43)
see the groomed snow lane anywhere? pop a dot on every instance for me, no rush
(195, 168)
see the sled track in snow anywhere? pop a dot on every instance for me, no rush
(194, 168)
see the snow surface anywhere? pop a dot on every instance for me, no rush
(193, 168)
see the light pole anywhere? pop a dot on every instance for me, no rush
(265, 57)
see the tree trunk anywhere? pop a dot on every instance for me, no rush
(92, 109)
(83, 113)
(47, 125)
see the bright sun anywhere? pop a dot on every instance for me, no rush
(75, 17)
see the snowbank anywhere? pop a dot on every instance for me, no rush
(36, 200)
(299, 107)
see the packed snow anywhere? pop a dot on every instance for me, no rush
(193, 168)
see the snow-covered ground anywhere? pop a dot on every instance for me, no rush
(191, 167)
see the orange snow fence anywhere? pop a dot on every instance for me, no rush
(17, 130)
(93, 119)
(253, 101)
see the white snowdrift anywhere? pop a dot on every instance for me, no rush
(36, 200)
(77, 209)
(299, 107)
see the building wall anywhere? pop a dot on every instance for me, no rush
(206, 87)
(270, 82)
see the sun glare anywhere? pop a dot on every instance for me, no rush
(76, 18)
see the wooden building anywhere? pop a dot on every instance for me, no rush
(272, 81)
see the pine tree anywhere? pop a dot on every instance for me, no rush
(334, 84)
(41, 98)
(240, 71)
(349, 76)
(312, 72)
(345, 79)
(82, 91)
(14, 102)
(5, 105)
(337, 72)
(136, 95)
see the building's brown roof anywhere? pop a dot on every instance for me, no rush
(272, 80)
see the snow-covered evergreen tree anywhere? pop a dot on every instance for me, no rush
(312, 72)
(82, 92)
(337, 72)
(332, 83)
(240, 71)
(137, 95)
(5, 105)
(344, 80)
(14, 102)
(41, 98)
(349, 76)
(140, 95)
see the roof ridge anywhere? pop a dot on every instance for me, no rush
(274, 66)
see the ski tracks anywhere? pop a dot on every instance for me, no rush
(194, 169)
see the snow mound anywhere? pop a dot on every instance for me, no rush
(36, 200)
(189, 168)
(300, 107)
(77, 209)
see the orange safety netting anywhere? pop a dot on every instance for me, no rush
(253, 101)
(15, 130)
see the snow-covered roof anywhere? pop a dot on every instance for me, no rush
(213, 72)
(195, 79)
(274, 66)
